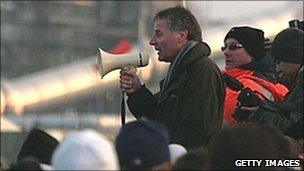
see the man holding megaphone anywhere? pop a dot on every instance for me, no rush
(191, 97)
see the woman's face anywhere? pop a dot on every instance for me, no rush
(236, 55)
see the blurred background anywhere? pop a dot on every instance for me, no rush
(49, 49)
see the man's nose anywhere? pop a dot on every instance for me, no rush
(152, 41)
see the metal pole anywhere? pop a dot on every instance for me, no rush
(123, 108)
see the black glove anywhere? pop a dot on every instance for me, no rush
(248, 98)
(240, 114)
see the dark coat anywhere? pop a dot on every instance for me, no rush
(287, 114)
(193, 109)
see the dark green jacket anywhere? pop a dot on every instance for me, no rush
(193, 109)
(286, 115)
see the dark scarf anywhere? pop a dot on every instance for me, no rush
(172, 68)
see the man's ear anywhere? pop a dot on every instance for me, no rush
(182, 35)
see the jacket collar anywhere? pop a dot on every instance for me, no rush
(236, 72)
(201, 49)
(180, 73)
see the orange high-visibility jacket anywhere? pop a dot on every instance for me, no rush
(270, 90)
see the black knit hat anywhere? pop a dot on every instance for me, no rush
(288, 46)
(251, 38)
(38, 144)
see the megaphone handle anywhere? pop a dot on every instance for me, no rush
(123, 108)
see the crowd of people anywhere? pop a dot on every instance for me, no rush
(145, 145)
(202, 118)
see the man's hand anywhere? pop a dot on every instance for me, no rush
(129, 81)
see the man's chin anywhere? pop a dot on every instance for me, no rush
(162, 59)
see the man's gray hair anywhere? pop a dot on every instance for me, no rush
(181, 19)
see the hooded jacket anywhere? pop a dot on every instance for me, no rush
(193, 106)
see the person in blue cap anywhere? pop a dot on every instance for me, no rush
(143, 145)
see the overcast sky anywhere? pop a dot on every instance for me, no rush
(236, 11)
(217, 17)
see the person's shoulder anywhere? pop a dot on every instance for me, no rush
(204, 65)
(248, 81)
(203, 48)
(206, 62)
(200, 50)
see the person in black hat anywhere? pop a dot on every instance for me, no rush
(252, 39)
(27, 163)
(287, 49)
(287, 114)
(38, 145)
(143, 145)
(244, 49)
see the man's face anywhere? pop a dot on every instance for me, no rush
(236, 55)
(168, 43)
(286, 71)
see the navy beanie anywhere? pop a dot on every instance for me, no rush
(251, 38)
(288, 46)
(142, 144)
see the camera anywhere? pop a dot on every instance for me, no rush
(240, 114)
(247, 98)
(296, 24)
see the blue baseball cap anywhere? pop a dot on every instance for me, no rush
(142, 144)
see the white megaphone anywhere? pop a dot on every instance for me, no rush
(108, 62)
